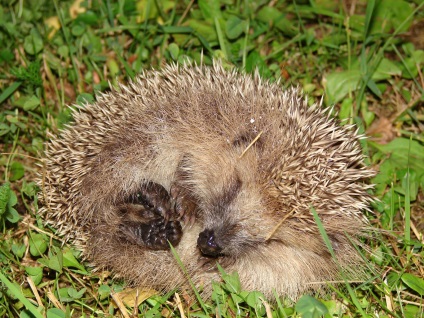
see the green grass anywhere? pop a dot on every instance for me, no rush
(364, 57)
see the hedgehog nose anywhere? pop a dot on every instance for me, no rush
(207, 243)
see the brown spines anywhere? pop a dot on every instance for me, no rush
(248, 155)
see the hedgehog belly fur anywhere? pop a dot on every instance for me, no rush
(226, 166)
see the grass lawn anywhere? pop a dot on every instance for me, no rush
(364, 57)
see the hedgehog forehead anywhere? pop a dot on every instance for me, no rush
(231, 202)
(227, 195)
(226, 170)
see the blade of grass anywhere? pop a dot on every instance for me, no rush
(392, 206)
(65, 32)
(176, 29)
(110, 13)
(408, 208)
(368, 17)
(372, 67)
(279, 305)
(128, 69)
(331, 250)
(221, 39)
(407, 68)
(204, 42)
(246, 38)
(196, 292)
(9, 91)
(17, 293)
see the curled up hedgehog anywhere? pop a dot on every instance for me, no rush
(223, 166)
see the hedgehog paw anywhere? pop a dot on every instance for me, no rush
(184, 204)
(156, 234)
(156, 199)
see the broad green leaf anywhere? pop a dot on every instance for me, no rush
(373, 88)
(12, 215)
(205, 29)
(309, 307)
(89, 17)
(232, 281)
(412, 311)
(410, 65)
(33, 43)
(63, 51)
(414, 282)
(255, 61)
(346, 108)
(55, 313)
(84, 98)
(78, 30)
(254, 300)
(174, 50)
(401, 152)
(330, 5)
(69, 260)
(63, 294)
(393, 280)
(268, 14)
(386, 69)
(55, 260)
(37, 244)
(185, 59)
(4, 129)
(236, 298)
(146, 10)
(271, 14)
(390, 15)
(36, 273)
(210, 9)
(4, 197)
(113, 67)
(413, 183)
(18, 250)
(72, 292)
(16, 171)
(6, 55)
(338, 84)
(104, 291)
(234, 27)
(29, 188)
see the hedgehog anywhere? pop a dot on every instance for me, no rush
(225, 167)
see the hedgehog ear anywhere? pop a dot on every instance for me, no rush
(247, 138)
(183, 171)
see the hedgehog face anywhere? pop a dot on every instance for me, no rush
(221, 226)
(231, 216)
(227, 237)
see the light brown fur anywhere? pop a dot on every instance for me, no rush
(199, 121)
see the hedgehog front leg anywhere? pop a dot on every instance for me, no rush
(154, 234)
(182, 198)
(184, 203)
(155, 223)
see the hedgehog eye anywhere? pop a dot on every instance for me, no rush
(244, 139)
(229, 193)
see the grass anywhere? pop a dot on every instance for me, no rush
(364, 57)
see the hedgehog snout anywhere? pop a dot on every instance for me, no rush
(207, 243)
